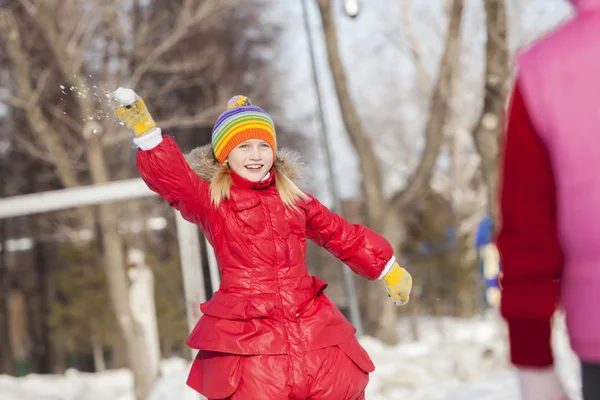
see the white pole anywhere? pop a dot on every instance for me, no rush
(193, 280)
(191, 268)
(79, 196)
(143, 307)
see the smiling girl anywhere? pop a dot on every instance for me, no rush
(269, 332)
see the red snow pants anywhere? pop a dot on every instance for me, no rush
(333, 373)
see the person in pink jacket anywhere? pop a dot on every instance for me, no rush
(549, 238)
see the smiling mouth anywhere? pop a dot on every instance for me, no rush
(254, 167)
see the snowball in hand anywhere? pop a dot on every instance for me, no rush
(122, 97)
(126, 96)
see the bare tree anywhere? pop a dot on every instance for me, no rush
(113, 255)
(177, 51)
(7, 359)
(384, 214)
(459, 180)
(487, 130)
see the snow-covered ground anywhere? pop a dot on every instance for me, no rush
(469, 361)
(453, 359)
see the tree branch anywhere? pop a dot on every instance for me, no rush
(369, 164)
(438, 113)
(178, 83)
(486, 131)
(34, 151)
(14, 101)
(33, 112)
(186, 66)
(187, 9)
(203, 13)
(75, 125)
(203, 120)
(97, 165)
(66, 62)
(424, 81)
(41, 84)
(78, 49)
(81, 29)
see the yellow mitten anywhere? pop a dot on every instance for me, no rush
(131, 110)
(398, 284)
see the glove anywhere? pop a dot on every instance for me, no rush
(398, 284)
(131, 110)
(540, 383)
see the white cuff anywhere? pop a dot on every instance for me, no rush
(149, 140)
(388, 267)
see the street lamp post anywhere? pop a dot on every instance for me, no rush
(347, 275)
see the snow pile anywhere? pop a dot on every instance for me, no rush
(114, 385)
(453, 359)
(448, 353)
(458, 359)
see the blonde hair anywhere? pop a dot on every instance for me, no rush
(289, 192)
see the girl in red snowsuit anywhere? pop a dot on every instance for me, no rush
(269, 332)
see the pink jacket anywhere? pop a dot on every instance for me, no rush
(559, 78)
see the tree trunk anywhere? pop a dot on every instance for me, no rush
(35, 354)
(59, 361)
(40, 304)
(369, 165)
(98, 353)
(487, 130)
(112, 244)
(7, 357)
(114, 267)
(414, 318)
(380, 313)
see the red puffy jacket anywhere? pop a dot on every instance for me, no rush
(267, 303)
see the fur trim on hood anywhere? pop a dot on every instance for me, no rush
(203, 162)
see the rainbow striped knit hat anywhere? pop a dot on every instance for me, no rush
(241, 121)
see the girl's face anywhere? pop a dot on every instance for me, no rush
(251, 159)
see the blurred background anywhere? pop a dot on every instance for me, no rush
(396, 107)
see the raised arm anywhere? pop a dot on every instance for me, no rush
(160, 161)
(166, 172)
